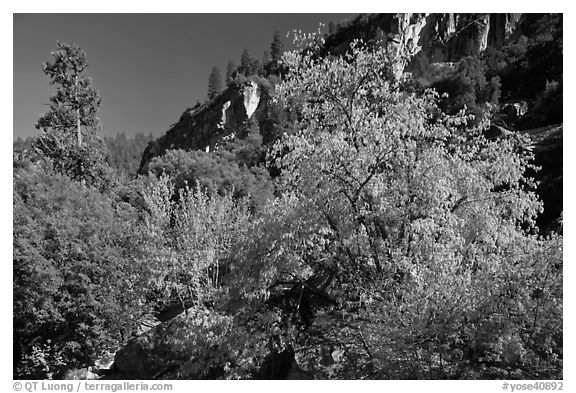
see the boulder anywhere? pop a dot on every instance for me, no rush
(138, 360)
(82, 373)
(514, 110)
(104, 363)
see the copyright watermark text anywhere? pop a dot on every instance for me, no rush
(89, 386)
(513, 387)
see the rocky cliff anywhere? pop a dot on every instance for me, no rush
(431, 45)
(427, 38)
(204, 126)
(449, 37)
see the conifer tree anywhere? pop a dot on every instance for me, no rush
(277, 47)
(76, 102)
(246, 62)
(68, 130)
(266, 57)
(331, 28)
(214, 83)
(246, 59)
(230, 71)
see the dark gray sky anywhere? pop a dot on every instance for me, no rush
(148, 67)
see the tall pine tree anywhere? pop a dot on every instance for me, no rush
(74, 106)
(230, 72)
(245, 59)
(277, 47)
(266, 57)
(248, 65)
(214, 83)
(68, 130)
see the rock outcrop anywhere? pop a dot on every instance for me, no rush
(422, 39)
(449, 37)
(251, 95)
(427, 38)
(436, 38)
(202, 127)
(169, 351)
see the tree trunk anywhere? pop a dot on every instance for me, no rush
(78, 127)
(78, 132)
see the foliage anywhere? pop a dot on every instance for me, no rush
(396, 241)
(547, 107)
(77, 281)
(413, 226)
(266, 58)
(469, 88)
(210, 344)
(68, 137)
(529, 66)
(190, 238)
(22, 144)
(76, 102)
(248, 65)
(125, 153)
(214, 83)
(227, 171)
(540, 58)
(230, 69)
(277, 47)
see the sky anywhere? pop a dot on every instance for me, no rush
(148, 68)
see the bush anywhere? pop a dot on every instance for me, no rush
(77, 276)
(217, 173)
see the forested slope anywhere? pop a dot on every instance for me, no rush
(359, 208)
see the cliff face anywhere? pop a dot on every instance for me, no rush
(428, 40)
(202, 127)
(449, 37)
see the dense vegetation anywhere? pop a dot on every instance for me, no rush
(377, 232)
(124, 153)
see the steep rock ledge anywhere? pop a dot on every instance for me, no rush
(202, 127)
(428, 38)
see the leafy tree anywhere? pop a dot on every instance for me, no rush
(216, 174)
(400, 242)
(21, 147)
(214, 83)
(68, 136)
(277, 47)
(404, 240)
(79, 281)
(189, 238)
(249, 151)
